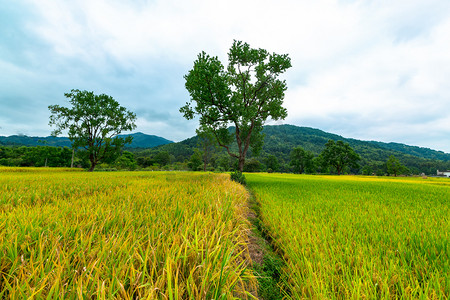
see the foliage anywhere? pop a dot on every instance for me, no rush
(252, 165)
(279, 141)
(339, 155)
(207, 147)
(245, 95)
(126, 161)
(122, 235)
(40, 156)
(302, 160)
(224, 162)
(93, 123)
(272, 163)
(162, 158)
(195, 161)
(395, 167)
(238, 177)
(354, 237)
(414, 150)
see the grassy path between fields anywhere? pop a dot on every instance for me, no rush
(267, 261)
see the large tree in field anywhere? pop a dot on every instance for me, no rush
(339, 155)
(244, 96)
(93, 123)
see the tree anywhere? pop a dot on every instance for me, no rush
(207, 146)
(195, 161)
(367, 170)
(339, 155)
(224, 162)
(301, 160)
(252, 165)
(272, 163)
(244, 96)
(162, 158)
(126, 161)
(93, 123)
(394, 166)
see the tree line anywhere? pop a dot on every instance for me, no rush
(337, 158)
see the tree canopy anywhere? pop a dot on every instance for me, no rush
(93, 123)
(244, 95)
(339, 155)
(301, 160)
(395, 167)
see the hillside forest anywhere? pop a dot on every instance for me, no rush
(201, 154)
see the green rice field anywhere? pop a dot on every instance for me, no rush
(347, 237)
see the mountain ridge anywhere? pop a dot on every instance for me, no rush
(311, 139)
(140, 140)
(307, 132)
(281, 139)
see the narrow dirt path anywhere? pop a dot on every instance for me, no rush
(266, 263)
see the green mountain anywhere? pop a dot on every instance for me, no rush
(140, 140)
(279, 142)
(23, 140)
(281, 139)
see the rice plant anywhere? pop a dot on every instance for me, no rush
(123, 235)
(353, 237)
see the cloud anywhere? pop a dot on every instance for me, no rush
(393, 90)
(364, 69)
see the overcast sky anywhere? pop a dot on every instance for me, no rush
(369, 69)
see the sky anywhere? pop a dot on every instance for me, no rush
(369, 69)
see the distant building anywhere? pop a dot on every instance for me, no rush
(443, 173)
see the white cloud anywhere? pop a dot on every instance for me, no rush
(365, 69)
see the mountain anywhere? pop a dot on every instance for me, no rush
(281, 139)
(414, 150)
(23, 140)
(140, 140)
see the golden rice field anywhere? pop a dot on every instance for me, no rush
(183, 235)
(123, 235)
(347, 237)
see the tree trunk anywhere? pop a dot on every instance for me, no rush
(93, 163)
(205, 160)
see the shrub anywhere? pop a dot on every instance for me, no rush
(238, 177)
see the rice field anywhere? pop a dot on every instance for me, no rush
(122, 235)
(347, 237)
(183, 235)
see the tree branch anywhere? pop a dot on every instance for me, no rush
(223, 145)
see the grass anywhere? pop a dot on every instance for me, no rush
(267, 263)
(358, 237)
(152, 235)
